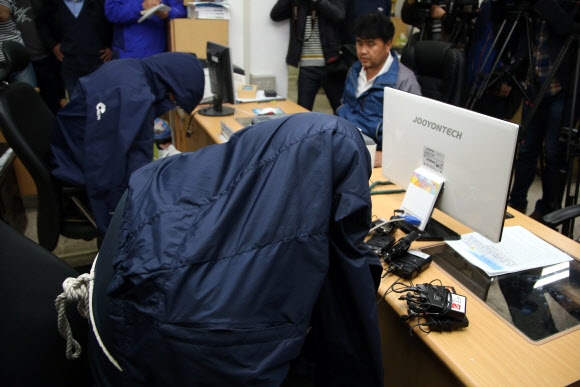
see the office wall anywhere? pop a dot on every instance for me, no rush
(257, 43)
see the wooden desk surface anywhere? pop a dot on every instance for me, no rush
(489, 352)
(204, 130)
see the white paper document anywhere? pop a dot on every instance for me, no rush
(518, 250)
(147, 13)
(421, 194)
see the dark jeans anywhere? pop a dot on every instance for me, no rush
(311, 79)
(543, 130)
(71, 73)
(49, 80)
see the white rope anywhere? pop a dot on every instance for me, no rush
(75, 290)
(92, 319)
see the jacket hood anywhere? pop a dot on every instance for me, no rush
(178, 73)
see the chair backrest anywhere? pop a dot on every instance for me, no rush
(34, 352)
(26, 123)
(16, 58)
(440, 69)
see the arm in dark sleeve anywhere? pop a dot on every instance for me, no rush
(333, 10)
(282, 10)
(47, 24)
(105, 27)
(410, 14)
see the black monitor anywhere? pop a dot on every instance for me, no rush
(221, 80)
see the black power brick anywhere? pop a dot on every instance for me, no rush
(428, 299)
(445, 323)
(410, 265)
(380, 244)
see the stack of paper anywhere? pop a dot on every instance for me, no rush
(209, 9)
(518, 250)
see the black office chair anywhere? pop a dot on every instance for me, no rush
(27, 123)
(564, 216)
(33, 351)
(439, 68)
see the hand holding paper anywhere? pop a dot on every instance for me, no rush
(147, 13)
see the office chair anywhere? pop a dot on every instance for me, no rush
(562, 216)
(27, 123)
(439, 68)
(33, 351)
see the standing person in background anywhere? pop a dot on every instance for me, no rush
(552, 23)
(431, 18)
(140, 40)
(79, 36)
(9, 31)
(46, 66)
(316, 30)
(358, 8)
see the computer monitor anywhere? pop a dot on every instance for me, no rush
(221, 80)
(474, 154)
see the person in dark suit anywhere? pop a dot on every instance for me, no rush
(79, 35)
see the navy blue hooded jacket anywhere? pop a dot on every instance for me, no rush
(106, 131)
(229, 254)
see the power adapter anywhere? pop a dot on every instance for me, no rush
(445, 323)
(380, 243)
(410, 265)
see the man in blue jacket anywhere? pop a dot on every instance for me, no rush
(106, 131)
(140, 40)
(377, 68)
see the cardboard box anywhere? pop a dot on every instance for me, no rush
(192, 35)
(247, 91)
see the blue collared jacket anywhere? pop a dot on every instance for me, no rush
(366, 111)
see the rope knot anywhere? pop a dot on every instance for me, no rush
(74, 290)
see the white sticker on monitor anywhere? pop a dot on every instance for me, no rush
(433, 159)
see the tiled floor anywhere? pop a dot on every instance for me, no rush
(77, 253)
(80, 253)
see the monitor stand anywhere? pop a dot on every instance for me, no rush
(217, 109)
(434, 231)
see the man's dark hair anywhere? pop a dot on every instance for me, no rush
(373, 26)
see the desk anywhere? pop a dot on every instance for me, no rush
(196, 131)
(487, 353)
